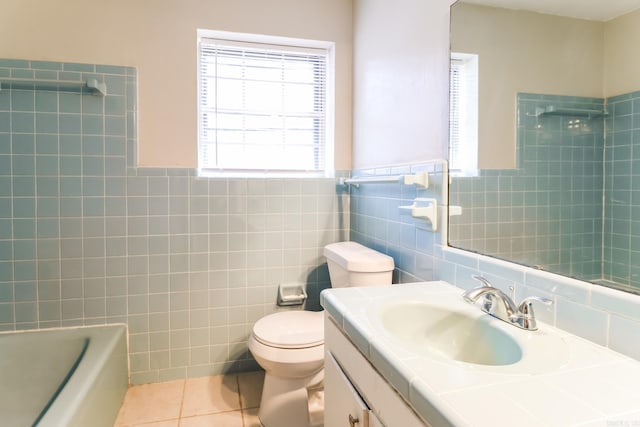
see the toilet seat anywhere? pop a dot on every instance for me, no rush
(290, 329)
(289, 344)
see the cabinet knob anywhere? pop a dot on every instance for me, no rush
(353, 421)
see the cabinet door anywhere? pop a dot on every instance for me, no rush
(374, 421)
(343, 405)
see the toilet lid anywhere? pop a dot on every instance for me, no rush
(290, 329)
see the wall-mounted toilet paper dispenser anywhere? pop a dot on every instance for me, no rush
(291, 294)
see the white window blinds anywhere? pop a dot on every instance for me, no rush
(262, 107)
(463, 114)
(454, 114)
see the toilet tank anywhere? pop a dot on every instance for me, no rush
(351, 264)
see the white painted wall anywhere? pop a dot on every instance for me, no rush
(622, 61)
(159, 38)
(401, 81)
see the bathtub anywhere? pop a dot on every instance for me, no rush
(63, 377)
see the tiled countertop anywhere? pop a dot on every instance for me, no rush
(595, 387)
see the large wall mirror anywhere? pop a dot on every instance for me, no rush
(545, 135)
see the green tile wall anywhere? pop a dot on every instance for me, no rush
(548, 211)
(377, 221)
(188, 263)
(621, 190)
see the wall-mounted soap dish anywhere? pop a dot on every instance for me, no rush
(424, 208)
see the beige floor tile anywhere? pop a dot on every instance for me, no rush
(167, 423)
(223, 419)
(250, 417)
(210, 395)
(250, 385)
(151, 402)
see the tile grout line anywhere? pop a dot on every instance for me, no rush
(184, 387)
(240, 400)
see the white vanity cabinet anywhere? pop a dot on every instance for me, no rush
(566, 381)
(345, 405)
(356, 395)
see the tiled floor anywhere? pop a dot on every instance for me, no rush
(220, 401)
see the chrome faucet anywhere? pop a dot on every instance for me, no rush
(501, 306)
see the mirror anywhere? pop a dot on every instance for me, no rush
(549, 176)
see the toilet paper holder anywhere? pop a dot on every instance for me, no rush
(291, 294)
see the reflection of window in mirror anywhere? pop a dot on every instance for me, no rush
(463, 115)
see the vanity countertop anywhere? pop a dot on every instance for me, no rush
(595, 386)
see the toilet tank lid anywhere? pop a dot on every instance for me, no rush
(355, 257)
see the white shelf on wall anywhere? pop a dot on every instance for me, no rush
(419, 180)
(92, 85)
(552, 110)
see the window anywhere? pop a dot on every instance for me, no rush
(463, 115)
(265, 105)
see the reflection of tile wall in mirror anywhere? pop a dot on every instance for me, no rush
(549, 211)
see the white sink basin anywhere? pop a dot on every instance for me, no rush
(453, 334)
(449, 330)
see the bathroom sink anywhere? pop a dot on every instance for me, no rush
(445, 329)
(452, 334)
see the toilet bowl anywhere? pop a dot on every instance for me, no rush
(290, 348)
(289, 345)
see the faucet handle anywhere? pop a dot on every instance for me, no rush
(526, 316)
(485, 282)
(526, 306)
(487, 301)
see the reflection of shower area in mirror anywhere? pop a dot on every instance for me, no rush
(572, 205)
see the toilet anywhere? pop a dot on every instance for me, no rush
(289, 345)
